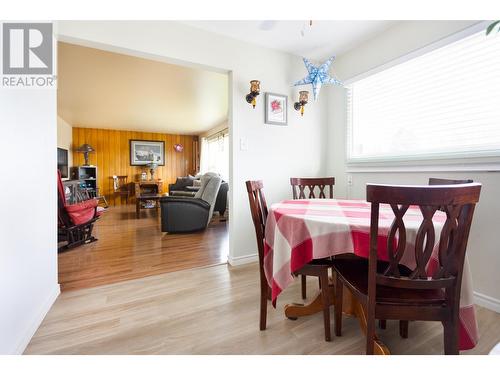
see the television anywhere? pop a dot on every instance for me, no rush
(62, 162)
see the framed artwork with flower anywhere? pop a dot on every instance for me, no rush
(276, 109)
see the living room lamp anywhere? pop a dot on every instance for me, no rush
(254, 91)
(152, 167)
(85, 149)
(303, 98)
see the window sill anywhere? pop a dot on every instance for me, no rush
(428, 166)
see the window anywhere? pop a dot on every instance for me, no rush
(214, 155)
(441, 104)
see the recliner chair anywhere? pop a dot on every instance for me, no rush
(183, 214)
(183, 187)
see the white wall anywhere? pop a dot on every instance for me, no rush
(65, 138)
(483, 250)
(274, 152)
(28, 244)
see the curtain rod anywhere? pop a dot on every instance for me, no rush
(225, 130)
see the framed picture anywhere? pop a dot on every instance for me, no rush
(145, 152)
(276, 109)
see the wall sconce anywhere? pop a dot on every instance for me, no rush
(303, 97)
(254, 91)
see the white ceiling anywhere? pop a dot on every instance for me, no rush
(102, 89)
(319, 41)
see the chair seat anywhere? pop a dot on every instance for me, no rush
(316, 263)
(355, 273)
(321, 262)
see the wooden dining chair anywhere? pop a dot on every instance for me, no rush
(403, 325)
(302, 184)
(121, 188)
(446, 181)
(299, 185)
(318, 267)
(391, 294)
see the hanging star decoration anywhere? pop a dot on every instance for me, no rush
(318, 76)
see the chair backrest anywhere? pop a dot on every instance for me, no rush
(119, 183)
(258, 208)
(300, 184)
(446, 181)
(210, 185)
(458, 201)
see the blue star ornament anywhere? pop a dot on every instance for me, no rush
(318, 76)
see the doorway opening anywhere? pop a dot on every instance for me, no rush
(159, 145)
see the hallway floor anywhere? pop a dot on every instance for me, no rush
(215, 310)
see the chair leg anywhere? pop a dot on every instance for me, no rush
(370, 342)
(304, 286)
(263, 304)
(326, 304)
(382, 323)
(403, 328)
(370, 327)
(339, 289)
(450, 338)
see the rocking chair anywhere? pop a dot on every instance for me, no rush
(75, 221)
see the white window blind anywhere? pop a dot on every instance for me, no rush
(445, 103)
(215, 154)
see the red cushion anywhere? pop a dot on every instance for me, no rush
(82, 212)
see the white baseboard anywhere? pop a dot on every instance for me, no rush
(487, 301)
(238, 261)
(37, 320)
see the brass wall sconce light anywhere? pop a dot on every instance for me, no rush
(303, 97)
(254, 91)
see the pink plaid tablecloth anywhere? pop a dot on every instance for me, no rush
(298, 231)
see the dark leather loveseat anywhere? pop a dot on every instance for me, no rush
(183, 187)
(188, 214)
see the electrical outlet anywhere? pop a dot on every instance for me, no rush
(349, 180)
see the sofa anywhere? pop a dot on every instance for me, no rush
(188, 214)
(188, 187)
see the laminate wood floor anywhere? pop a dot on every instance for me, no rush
(213, 310)
(130, 248)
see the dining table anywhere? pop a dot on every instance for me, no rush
(298, 231)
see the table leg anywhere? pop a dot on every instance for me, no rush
(350, 306)
(137, 208)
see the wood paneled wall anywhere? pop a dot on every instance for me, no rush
(112, 156)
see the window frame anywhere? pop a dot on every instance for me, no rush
(459, 161)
